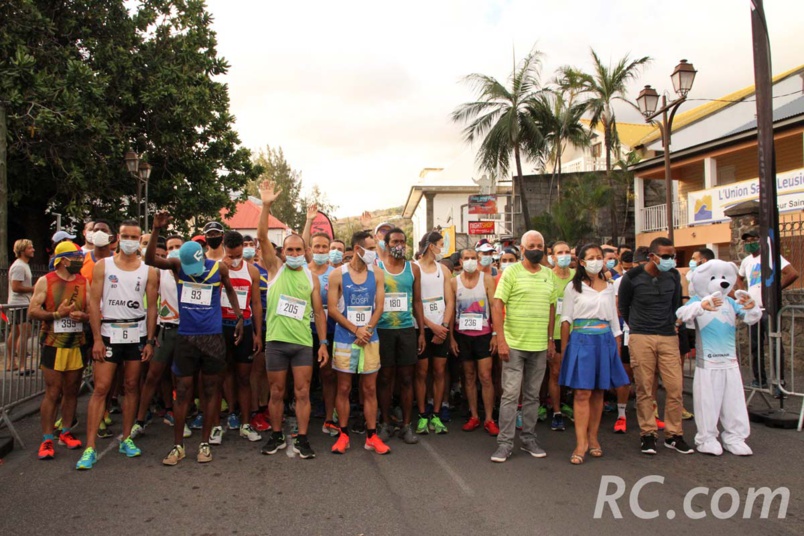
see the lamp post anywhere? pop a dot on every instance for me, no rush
(683, 76)
(141, 171)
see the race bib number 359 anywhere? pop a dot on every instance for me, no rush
(291, 307)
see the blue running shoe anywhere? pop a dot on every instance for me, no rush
(169, 419)
(444, 413)
(198, 422)
(558, 423)
(88, 460)
(233, 422)
(128, 448)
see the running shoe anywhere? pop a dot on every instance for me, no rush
(619, 426)
(57, 427)
(137, 431)
(46, 450)
(492, 428)
(216, 436)
(385, 432)
(233, 422)
(274, 444)
(224, 406)
(204, 453)
(331, 429)
(303, 449)
(567, 412)
(175, 455)
(67, 439)
(114, 407)
(407, 435)
(187, 431)
(533, 448)
(341, 445)
(686, 415)
(198, 422)
(472, 424)
(169, 420)
(428, 408)
(519, 419)
(359, 424)
(103, 431)
(648, 444)
(501, 454)
(542, 413)
(608, 407)
(659, 423)
(376, 444)
(128, 448)
(106, 419)
(57, 424)
(557, 425)
(423, 426)
(249, 433)
(437, 426)
(88, 460)
(677, 443)
(259, 423)
(444, 414)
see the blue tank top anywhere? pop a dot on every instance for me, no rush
(263, 286)
(398, 293)
(199, 317)
(355, 295)
(323, 282)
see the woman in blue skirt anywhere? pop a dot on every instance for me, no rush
(590, 332)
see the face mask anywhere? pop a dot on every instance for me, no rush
(534, 256)
(564, 261)
(173, 254)
(321, 258)
(335, 256)
(550, 260)
(611, 263)
(593, 267)
(100, 239)
(693, 265)
(368, 256)
(504, 265)
(89, 237)
(666, 265)
(75, 267)
(486, 261)
(381, 244)
(129, 246)
(295, 262)
(214, 242)
(438, 256)
(249, 253)
(398, 252)
(470, 266)
(236, 262)
(751, 247)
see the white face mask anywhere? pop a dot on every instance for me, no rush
(368, 256)
(89, 237)
(504, 265)
(129, 247)
(470, 266)
(100, 239)
(236, 262)
(594, 267)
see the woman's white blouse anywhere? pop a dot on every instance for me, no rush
(591, 304)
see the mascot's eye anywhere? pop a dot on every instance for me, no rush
(713, 278)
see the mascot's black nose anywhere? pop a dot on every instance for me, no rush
(724, 284)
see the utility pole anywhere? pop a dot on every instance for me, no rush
(3, 187)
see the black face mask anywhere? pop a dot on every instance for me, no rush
(534, 256)
(75, 267)
(214, 242)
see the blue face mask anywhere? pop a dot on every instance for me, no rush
(173, 254)
(486, 260)
(611, 263)
(563, 261)
(320, 258)
(249, 253)
(665, 265)
(381, 244)
(335, 256)
(295, 262)
(693, 265)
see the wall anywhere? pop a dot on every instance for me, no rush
(446, 205)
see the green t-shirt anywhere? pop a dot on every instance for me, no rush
(562, 285)
(287, 317)
(527, 297)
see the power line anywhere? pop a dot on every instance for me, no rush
(747, 100)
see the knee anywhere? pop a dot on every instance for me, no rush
(101, 390)
(582, 396)
(52, 393)
(182, 392)
(421, 373)
(406, 380)
(485, 379)
(369, 392)
(277, 393)
(131, 385)
(244, 380)
(302, 392)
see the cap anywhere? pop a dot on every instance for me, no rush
(200, 239)
(383, 224)
(191, 256)
(65, 249)
(484, 246)
(58, 236)
(213, 226)
(753, 233)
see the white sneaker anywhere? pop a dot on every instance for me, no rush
(187, 431)
(249, 433)
(136, 431)
(216, 437)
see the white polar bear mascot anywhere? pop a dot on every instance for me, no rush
(718, 386)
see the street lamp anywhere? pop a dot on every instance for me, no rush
(141, 171)
(683, 76)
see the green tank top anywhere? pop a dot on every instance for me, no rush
(398, 306)
(287, 312)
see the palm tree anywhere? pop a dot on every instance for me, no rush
(500, 118)
(605, 85)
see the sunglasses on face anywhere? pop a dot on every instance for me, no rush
(665, 257)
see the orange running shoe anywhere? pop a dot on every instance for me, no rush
(619, 426)
(46, 450)
(375, 443)
(472, 424)
(659, 423)
(341, 445)
(68, 440)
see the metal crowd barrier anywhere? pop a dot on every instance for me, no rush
(788, 373)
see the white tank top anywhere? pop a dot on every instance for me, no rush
(433, 298)
(168, 298)
(123, 298)
(472, 301)
(241, 282)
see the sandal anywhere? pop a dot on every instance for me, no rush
(576, 459)
(596, 452)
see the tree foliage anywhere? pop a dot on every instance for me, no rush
(574, 217)
(84, 82)
(289, 208)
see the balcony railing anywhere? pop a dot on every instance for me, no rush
(584, 164)
(655, 218)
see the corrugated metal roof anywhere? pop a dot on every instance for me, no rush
(629, 133)
(791, 109)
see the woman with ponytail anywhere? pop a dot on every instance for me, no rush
(591, 363)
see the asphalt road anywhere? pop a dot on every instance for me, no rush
(445, 485)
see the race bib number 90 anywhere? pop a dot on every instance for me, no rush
(291, 307)
(359, 316)
(196, 293)
(66, 325)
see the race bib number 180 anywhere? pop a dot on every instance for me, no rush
(396, 302)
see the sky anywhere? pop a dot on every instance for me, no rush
(359, 94)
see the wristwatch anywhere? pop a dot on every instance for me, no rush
(152, 342)
(323, 342)
(240, 317)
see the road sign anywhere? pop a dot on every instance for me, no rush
(481, 227)
(483, 204)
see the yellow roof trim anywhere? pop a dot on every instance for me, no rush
(700, 112)
(629, 133)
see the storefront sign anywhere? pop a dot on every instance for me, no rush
(483, 204)
(481, 227)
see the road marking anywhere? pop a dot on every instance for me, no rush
(289, 449)
(449, 470)
(114, 443)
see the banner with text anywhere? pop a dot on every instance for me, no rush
(481, 227)
(708, 206)
(483, 204)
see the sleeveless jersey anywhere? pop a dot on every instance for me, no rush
(64, 333)
(263, 285)
(360, 299)
(472, 301)
(123, 298)
(398, 306)
(168, 298)
(433, 298)
(241, 281)
(200, 301)
(289, 305)
(323, 282)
